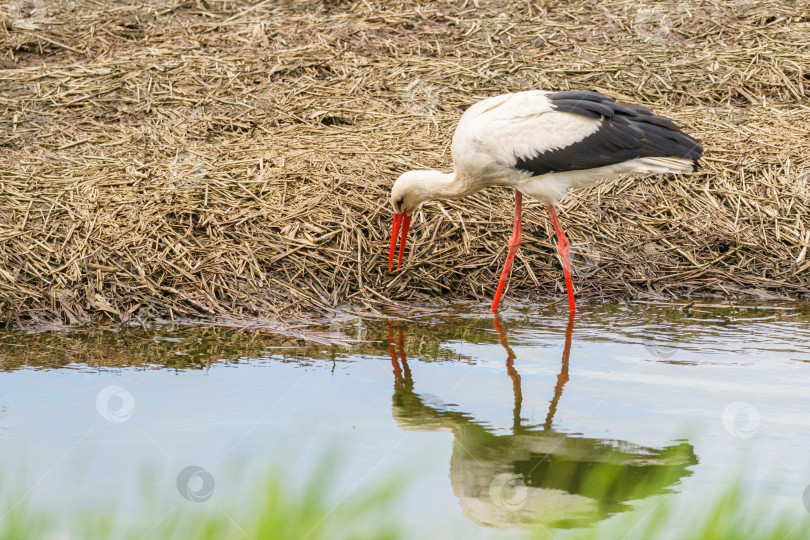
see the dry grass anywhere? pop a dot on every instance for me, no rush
(233, 160)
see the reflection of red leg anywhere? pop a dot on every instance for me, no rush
(562, 378)
(392, 350)
(402, 373)
(563, 248)
(514, 243)
(513, 374)
(402, 356)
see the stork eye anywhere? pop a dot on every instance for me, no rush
(400, 202)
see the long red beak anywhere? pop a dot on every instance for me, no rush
(400, 221)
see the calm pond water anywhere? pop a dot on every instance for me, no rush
(496, 421)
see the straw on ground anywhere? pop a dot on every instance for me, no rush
(226, 159)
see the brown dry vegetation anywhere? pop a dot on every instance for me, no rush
(233, 160)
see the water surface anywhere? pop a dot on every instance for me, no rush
(499, 422)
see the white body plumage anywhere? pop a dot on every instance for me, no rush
(494, 134)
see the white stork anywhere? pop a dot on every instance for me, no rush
(541, 143)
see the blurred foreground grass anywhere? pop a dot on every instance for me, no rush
(277, 508)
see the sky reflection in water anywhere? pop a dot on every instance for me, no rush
(503, 420)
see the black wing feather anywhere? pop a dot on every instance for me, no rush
(592, 109)
(627, 132)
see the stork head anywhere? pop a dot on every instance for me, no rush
(410, 190)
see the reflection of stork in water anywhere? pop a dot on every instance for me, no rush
(535, 474)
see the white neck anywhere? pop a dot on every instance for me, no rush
(438, 185)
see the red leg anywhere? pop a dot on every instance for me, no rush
(563, 248)
(514, 243)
